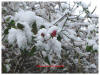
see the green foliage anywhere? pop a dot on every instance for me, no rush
(4, 69)
(42, 26)
(89, 37)
(8, 19)
(47, 60)
(9, 46)
(90, 49)
(24, 52)
(3, 11)
(86, 10)
(32, 51)
(10, 25)
(34, 28)
(6, 31)
(12, 22)
(59, 38)
(6, 41)
(28, 53)
(20, 26)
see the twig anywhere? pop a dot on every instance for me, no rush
(93, 10)
(60, 19)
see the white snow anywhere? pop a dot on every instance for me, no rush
(54, 28)
(84, 5)
(91, 42)
(55, 45)
(25, 16)
(95, 47)
(21, 39)
(92, 66)
(44, 54)
(8, 67)
(12, 35)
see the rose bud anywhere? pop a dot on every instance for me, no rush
(42, 34)
(53, 34)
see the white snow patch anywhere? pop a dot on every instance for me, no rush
(12, 35)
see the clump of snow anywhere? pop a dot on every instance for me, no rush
(16, 35)
(25, 16)
(28, 32)
(41, 21)
(93, 15)
(92, 66)
(91, 27)
(95, 47)
(91, 42)
(50, 57)
(57, 7)
(44, 54)
(64, 5)
(40, 12)
(84, 5)
(37, 6)
(12, 35)
(55, 45)
(21, 39)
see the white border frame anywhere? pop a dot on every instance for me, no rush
(96, 2)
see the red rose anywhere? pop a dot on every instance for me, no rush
(53, 34)
(42, 34)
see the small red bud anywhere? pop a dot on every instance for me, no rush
(42, 34)
(53, 34)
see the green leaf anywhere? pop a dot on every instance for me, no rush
(59, 38)
(95, 51)
(8, 19)
(6, 31)
(6, 41)
(10, 46)
(24, 52)
(12, 22)
(3, 11)
(89, 48)
(13, 27)
(20, 26)
(9, 26)
(86, 10)
(32, 51)
(4, 70)
(47, 60)
(34, 28)
(42, 26)
(89, 37)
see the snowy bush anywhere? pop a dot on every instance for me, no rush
(50, 33)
